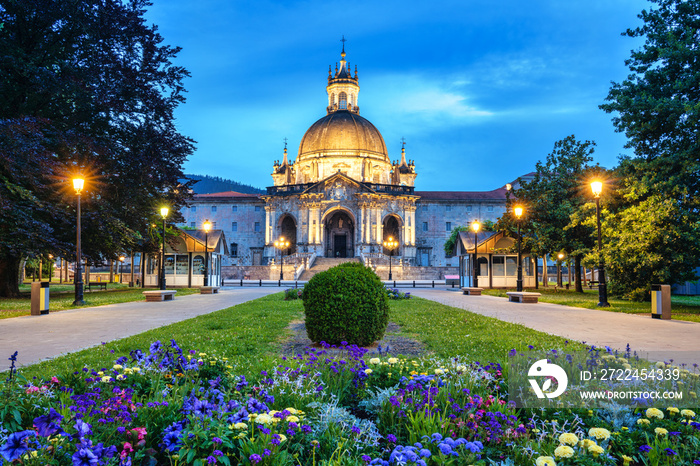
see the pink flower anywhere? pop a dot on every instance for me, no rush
(141, 431)
(55, 380)
(126, 449)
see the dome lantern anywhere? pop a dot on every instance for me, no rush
(343, 88)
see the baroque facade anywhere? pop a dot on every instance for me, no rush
(343, 196)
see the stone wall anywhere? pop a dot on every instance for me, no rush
(256, 272)
(415, 273)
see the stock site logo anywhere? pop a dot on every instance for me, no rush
(550, 372)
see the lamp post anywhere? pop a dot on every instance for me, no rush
(50, 267)
(78, 184)
(164, 213)
(475, 227)
(560, 257)
(391, 244)
(121, 267)
(281, 244)
(519, 282)
(207, 227)
(597, 188)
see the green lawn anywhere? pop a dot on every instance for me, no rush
(251, 334)
(61, 297)
(682, 307)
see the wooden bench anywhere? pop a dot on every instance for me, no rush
(160, 295)
(523, 297)
(471, 290)
(102, 285)
(591, 284)
(208, 290)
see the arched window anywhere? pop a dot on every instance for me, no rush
(333, 100)
(343, 104)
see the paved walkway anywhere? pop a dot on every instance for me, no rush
(44, 337)
(654, 339)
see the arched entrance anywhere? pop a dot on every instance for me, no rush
(339, 234)
(391, 229)
(288, 229)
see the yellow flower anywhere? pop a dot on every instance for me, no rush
(660, 365)
(693, 394)
(596, 450)
(393, 360)
(599, 433)
(626, 460)
(374, 361)
(654, 413)
(292, 410)
(239, 425)
(117, 367)
(136, 369)
(128, 371)
(282, 438)
(292, 419)
(626, 366)
(201, 355)
(106, 379)
(563, 451)
(389, 374)
(660, 431)
(645, 422)
(545, 461)
(121, 377)
(263, 419)
(688, 413)
(585, 443)
(568, 439)
(100, 373)
(368, 371)
(672, 410)
(439, 372)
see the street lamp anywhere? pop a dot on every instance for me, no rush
(475, 226)
(281, 244)
(51, 263)
(519, 282)
(164, 213)
(78, 184)
(597, 188)
(121, 267)
(391, 244)
(207, 227)
(560, 256)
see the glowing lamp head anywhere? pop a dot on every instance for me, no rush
(207, 226)
(164, 212)
(475, 226)
(78, 184)
(597, 188)
(560, 256)
(121, 258)
(518, 211)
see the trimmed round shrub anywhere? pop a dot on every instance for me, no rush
(346, 303)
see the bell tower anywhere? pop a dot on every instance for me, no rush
(342, 88)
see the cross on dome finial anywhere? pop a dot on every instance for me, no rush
(343, 40)
(285, 143)
(403, 142)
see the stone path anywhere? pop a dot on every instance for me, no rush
(44, 337)
(654, 339)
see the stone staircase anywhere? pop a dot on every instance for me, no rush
(321, 264)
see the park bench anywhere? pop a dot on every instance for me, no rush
(208, 289)
(591, 284)
(523, 297)
(102, 285)
(159, 295)
(472, 290)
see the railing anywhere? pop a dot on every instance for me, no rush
(300, 188)
(298, 284)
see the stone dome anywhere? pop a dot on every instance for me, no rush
(342, 133)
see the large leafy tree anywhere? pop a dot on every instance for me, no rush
(655, 229)
(85, 86)
(555, 194)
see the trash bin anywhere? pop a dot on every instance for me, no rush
(40, 298)
(661, 301)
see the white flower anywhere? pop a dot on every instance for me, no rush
(374, 361)
(368, 371)
(393, 360)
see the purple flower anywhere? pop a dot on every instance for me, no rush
(48, 424)
(670, 452)
(84, 457)
(216, 440)
(391, 438)
(211, 460)
(217, 453)
(255, 458)
(266, 452)
(645, 448)
(307, 429)
(366, 458)
(16, 445)
(355, 430)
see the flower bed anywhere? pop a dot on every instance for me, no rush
(169, 406)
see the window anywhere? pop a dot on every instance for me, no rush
(213, 208)
(448, 226)
(198, 265)
(234, 250)
(234, 208)
(213, 225)
(409, 221)
(511, 266)
(234, 226)
(490, 208)
(425, 226)
(499, 269)
(469, 208)
(193, 225)
(257, 208)
(343, 104)
(257, 227)
(448, 208)
(193, 208)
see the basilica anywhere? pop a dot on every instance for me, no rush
(343, 197)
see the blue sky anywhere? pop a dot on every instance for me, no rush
(481, 90)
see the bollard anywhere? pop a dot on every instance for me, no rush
(433, 283)
(279, 282)
(40, 298)
(414, 283)
(661, 302)
(241, 283)
(394, 283)
(261, 282)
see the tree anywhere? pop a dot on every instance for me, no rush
(657, 109)
(550, 200)
(84, 87)
(449, 246)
